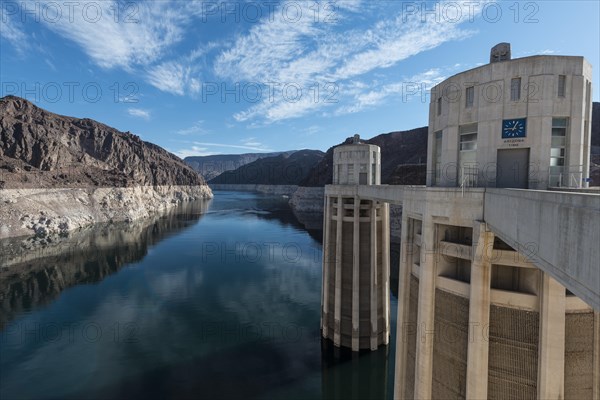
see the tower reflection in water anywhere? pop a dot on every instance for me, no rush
(354, 375)
(366, 374)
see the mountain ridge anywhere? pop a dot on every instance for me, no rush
(214, 165)
(41, 149)
(284, 169)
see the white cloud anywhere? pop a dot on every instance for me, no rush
(194, 151)
(311, 130)
(137, 35)
(202, 148)
(260, 146)
(139, 113)
(171, 77)
(13, 34)
(196, 128)
(180, 76)
(313, 55)
(414, 88)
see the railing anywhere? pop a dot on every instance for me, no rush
(468, 177)
(566, 176)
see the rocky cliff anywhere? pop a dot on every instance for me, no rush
(61, 173)
(42, 149)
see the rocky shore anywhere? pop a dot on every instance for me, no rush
(46, 212)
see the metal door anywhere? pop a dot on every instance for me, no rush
(512, 169)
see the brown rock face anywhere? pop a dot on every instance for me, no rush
(42, 149)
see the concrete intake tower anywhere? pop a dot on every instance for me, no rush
(355, 303)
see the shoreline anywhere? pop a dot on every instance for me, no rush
(49, 211)
(307, 203)
(282, 190)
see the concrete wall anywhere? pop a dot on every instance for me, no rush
(513, 354)
(450, 346)
(579, 356)
(558, 232)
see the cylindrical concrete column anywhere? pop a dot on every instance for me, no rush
(551, 358)
(426, 312)
(596, 389)
(374, 282)
(403, 301)
(385, 254)
(479, 313)
(326, 266)
(356, 276)
(337, 314)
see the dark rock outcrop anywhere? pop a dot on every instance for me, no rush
(397, 149)
(41, 149)
(284, 169)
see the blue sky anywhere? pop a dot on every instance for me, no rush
(212, 77)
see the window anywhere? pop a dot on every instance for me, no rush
(439, 106)
(437, 159)
(469, 96)
(468, 142)
(562, 85)
(362, 174)
(515, 89)
(373, 174)
(467, 155)
(351, 174)
(558, 151)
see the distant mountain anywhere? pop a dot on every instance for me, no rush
(284, 169)
(212, 166)
(42, 149)
(398, 151)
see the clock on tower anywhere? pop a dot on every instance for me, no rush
(514, 128)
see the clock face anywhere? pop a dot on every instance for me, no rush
(514, 128)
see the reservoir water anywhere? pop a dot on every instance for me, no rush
(217, 299)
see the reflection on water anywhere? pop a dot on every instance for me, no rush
(218, 300)
(351, 375)
(35, 271)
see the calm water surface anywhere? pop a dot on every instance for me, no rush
(217, 299)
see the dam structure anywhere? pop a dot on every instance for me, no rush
(499, 275)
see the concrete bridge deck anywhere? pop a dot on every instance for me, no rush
(558, 231)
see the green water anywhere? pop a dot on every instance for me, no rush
(215, 300)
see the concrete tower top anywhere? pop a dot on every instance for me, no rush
(357, 163)
(542, 138)
(500, 52)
